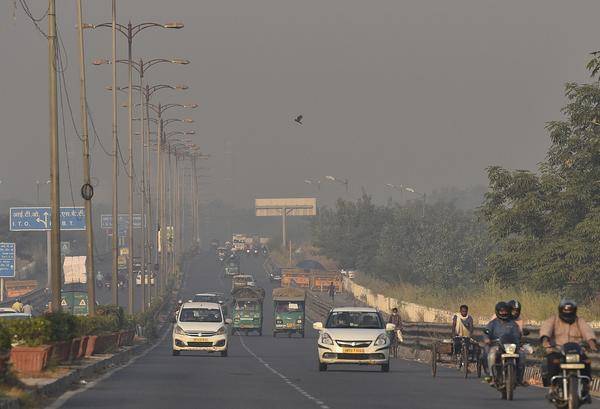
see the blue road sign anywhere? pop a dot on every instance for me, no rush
(7, 260)
(38, 218)
(106, 221)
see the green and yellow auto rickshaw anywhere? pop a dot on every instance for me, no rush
(288, 310)
(247, 309)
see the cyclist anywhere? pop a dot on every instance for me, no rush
(462, 326)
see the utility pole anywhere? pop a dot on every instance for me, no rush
(131, 304)
(91, 288)
(150, 236)
(145, 246)
(55, 266)
(115, 204)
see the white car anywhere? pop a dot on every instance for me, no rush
(200, 326)
(354, 335)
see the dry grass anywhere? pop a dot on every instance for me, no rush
(536, 306)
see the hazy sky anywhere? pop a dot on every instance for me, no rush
(422, 92)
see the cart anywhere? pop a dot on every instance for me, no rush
(469, 352)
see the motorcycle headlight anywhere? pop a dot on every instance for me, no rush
(221, 331)
(510, 348)
(572, 358)
(381, 340)
(326, 339)
(179, 330)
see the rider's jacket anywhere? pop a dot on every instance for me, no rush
(560, 332)
(462, 326)
(499, 329)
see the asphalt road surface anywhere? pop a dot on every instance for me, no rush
(264, 372)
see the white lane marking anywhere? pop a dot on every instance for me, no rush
(284, 378)
(61, 400)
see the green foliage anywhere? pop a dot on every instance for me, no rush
(5, 338)
(63, 326)
(148, 319)
(96, 325)
(446, 248)
(547, 225)
(30, 332)
(112, 311)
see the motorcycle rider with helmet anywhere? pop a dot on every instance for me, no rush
(515, 311)
(566, 327)
(503, 327)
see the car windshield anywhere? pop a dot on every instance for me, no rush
(200, 315)
(205, 298)
(246, 305)
(286, 306)
(354, 319)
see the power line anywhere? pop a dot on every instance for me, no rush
(33, 19)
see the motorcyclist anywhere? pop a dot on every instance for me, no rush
(566, 327)
(503, 327)
(17, 305)
(515, 311)
(462, 326)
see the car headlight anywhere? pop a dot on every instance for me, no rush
(179, 330)
(572, 358)
(221, 331)
(510, 348)
(299, 321)
(381, 340)
(326, 339)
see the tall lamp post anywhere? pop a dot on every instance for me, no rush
(344, 182)
(130, 32)
(402, 188)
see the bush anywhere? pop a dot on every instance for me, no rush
(5, 338)
(112, 311)
(63, 326)
(96, 325)
(30, 332)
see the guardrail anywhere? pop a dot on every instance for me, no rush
(36, 298)
(421, 335)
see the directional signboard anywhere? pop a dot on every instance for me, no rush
(106, 221)
(7, 260)
(38, 218)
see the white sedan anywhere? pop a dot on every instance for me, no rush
(354, 335)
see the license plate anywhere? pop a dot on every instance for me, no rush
(572, 366)
(290, 325)
(202, 340)
(353, 350)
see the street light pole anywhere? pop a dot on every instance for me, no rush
(89, 228)
(55, 267)
(131, 304)
(115, 207)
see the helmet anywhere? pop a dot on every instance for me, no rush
(567, 311)
(503, 311)
(515, 307)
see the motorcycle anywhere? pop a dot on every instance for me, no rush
(504, 372)
(570, 388)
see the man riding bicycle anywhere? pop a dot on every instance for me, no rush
(462, 327)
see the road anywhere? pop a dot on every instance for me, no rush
(263, 372)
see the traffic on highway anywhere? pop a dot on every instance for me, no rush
(319, 204)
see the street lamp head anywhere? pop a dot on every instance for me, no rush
(174, 24)
(189, 133)
(410, 189)
(390, 185)
(190, 106)
(181, 61)
(100, 61)
(181, 87)
(86, 26)
(308, 181)
(188, 120)
(330, 178)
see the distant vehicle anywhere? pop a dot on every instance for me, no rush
(247, 309)
(275, 276)
(232, 268)
(288, 311)
(214, 244)
(242, 280)
(218, 298)
(149, 279)
(9, 313)
(201, 326)
(353, 335)
(222, 253)
(239, 242)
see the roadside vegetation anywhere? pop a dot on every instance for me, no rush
(534, 237)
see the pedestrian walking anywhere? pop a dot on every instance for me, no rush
(331, 292)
